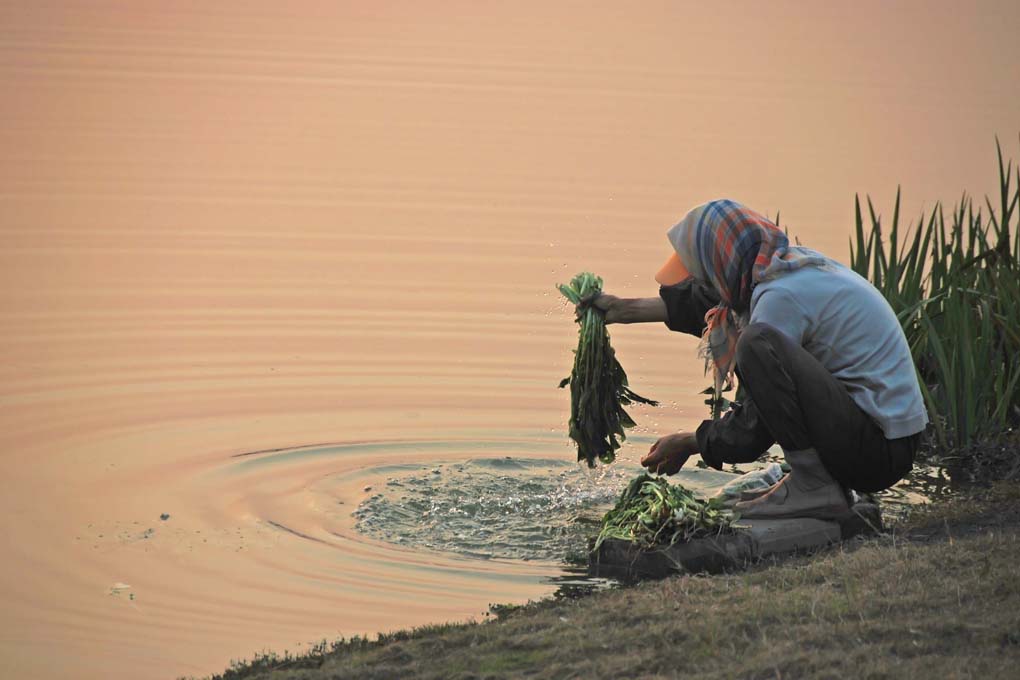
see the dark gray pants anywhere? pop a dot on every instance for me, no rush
(802, 405)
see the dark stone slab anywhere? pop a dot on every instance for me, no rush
(780, 536)
(622, 559)
(753, 539)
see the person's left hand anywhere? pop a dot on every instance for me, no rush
(670, 453)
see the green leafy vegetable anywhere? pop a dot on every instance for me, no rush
(598, 384)
(652, 512)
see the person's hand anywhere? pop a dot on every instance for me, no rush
(603, 302)
(670, 453)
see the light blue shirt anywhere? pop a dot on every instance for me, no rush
(846, 324)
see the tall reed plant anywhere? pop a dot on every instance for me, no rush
(953, 282)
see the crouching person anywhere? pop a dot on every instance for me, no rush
(821, 357)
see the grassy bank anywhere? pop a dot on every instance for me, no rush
(937, 596)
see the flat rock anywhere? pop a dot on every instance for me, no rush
(753, 539)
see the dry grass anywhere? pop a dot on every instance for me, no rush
(937, 597)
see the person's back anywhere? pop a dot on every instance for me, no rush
(846, 324)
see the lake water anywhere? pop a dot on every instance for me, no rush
(265, 264)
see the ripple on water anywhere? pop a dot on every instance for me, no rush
(483, 499)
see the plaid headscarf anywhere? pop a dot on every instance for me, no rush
(733, 249)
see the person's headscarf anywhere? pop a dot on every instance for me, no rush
(733, 249)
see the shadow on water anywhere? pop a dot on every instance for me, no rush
(925, 484)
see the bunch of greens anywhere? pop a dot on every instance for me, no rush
(598, 384)
(654, 512)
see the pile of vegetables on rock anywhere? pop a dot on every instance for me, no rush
(654, 512)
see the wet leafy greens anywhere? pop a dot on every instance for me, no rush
(598, 384)
(652, 512)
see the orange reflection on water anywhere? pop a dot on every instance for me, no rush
(248, 227)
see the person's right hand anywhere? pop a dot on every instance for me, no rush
(604, 302)
(669, 453)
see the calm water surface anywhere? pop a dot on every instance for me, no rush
(265, 265)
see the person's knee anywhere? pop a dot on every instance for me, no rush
(754, 339)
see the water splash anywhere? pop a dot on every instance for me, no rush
(504, 508)
(510, 508)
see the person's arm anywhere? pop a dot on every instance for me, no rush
(737, 437)
(681, 307)
(630, 310)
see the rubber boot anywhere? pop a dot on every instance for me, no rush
(808, 491)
